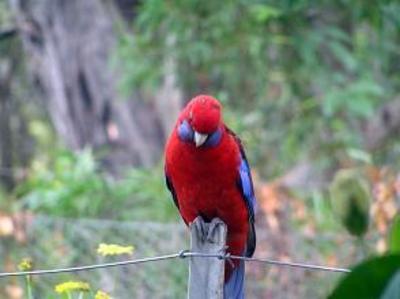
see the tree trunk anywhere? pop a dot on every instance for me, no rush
(68, 45)
(6, 144)
(16, 143)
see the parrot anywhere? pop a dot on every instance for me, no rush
(208, 175)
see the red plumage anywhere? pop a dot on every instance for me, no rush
(205, 179)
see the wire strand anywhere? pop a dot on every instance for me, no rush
(182, 254)
(293, 264)
(91, 267)
(269, 261)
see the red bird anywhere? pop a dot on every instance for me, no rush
(208, 175)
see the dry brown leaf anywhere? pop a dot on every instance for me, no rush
(299, 209)
(14, 291)
(381, 246)
(309, 231)
(396, 185)
(22, 220)
(332, 260)
(6, 226)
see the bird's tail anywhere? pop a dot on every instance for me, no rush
(234, 287)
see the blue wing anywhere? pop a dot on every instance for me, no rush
(245, 185)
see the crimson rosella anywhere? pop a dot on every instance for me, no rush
(208, 175)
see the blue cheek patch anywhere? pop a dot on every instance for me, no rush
(214, 138)
(185, 132)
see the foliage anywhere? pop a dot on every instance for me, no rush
(101, 295)
(377, 277)
(72, 186)
(72, 286)
(306, 73)
(350, 198)
(370, 280)
(80, 287)
(5, 16)
(114, 249)
(54, 242)
(394, 236)
(298, 79)
(26, 265)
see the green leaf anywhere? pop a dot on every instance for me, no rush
(343, 55)
(361, 106)
(394, 236)
(360, 155)
(369, 279)
(263, 13)
(350, 198)
(332, 102)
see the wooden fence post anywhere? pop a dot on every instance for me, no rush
(206, 275)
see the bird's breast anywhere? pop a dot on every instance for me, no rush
(205, 179)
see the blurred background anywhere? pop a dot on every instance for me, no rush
(90, 90)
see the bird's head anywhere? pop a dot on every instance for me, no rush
(201, 122)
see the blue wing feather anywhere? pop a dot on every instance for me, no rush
(245, 185)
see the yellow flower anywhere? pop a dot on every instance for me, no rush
(70, 286)
(113, 249)
(102, 295)
(26, 264)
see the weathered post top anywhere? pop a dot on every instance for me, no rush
(206, 275)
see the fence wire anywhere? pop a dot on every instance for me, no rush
(182, 254)
(64, 242)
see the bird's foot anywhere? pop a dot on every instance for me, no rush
(200, 227)
(208, 232)
(213, 230)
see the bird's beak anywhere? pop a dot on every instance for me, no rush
(199, 138)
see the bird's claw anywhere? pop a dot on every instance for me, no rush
(207, 232)
(212, 226)
(201, 227)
